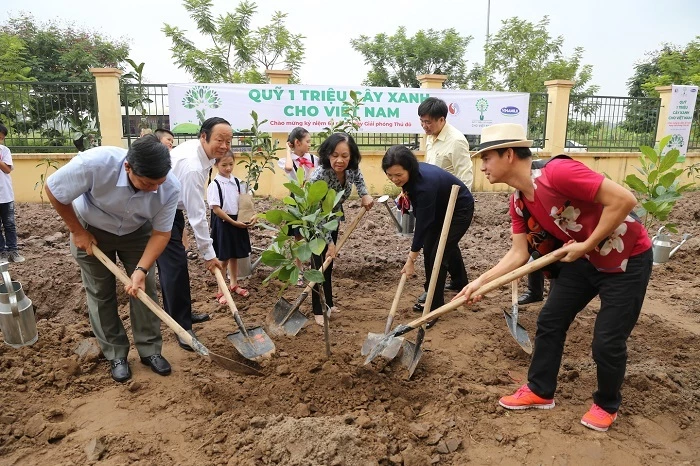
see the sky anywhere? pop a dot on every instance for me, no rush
(615, 34)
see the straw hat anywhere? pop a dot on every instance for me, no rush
(503, 135)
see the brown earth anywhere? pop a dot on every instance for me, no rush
(57, 408)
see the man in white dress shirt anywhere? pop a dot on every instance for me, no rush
(191, 161)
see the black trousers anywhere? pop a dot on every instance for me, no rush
(317, 263)
(535, 283)
(621, 298)
(460, 223)
(175, 277)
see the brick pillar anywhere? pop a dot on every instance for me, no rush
(429, 81)
(665, 94)
(280, 77)
(558, 91)
(109, 107)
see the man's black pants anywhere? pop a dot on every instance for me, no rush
(621, 297)
(174, 276)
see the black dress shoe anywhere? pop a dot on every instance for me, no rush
(418, 307)
(528, 297)
(158, 364)
(431, 323)
(183, 344)
(199, 318)
(119, 367)
(422, 298)
(450, 286)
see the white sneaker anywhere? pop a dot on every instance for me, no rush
(14, 256)
(319, 319)
(3, 257)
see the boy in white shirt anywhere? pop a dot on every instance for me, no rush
(8, 235)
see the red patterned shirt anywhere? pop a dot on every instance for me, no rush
(564, 206)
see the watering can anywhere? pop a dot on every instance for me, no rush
(405, 222)
(17, 320)
(663, 247)
(246, 265)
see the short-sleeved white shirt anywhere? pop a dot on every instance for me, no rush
(229, 189)
(295, 162)
(6, 192)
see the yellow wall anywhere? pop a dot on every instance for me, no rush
(616, 164)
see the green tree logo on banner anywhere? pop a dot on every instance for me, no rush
(481, 106)
(201, 98)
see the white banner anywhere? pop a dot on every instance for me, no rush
(680, 117)
(384, 109)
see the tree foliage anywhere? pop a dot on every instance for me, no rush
(53, 53)
(237, 52)
(669, 65)
(64, 53)
(522, 55)
(396, 60)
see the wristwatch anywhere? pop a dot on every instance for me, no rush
(142, 269)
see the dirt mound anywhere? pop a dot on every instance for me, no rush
(60, 406)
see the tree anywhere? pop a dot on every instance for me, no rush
(58, 54)
(238, 53)
(13, 59)
(522, 55)
(669, 65)
(396, 60)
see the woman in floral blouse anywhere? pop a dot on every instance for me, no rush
(340, 168)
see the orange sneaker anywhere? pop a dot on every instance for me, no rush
(598, 419)
(525, 399)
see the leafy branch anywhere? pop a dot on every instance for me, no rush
(311, 210)
(262, 153)
(659, 188)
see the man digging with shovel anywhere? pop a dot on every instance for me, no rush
(608, 254)
(123, 201)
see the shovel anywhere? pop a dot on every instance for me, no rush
(253, 344)
(537, 264)
(245, 368)
(516, 330)
(394, 347)
(285, 317)
(412, 352)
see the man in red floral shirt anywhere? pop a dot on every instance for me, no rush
(608, 254)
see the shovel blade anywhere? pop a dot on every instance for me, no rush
(412, 352)
(245, 368)
(518, 332)
(275, 320)
(391, 348)
(256, 346)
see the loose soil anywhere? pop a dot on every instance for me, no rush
(60, 408)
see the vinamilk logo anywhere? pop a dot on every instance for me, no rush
(510, 111)
(453, 108)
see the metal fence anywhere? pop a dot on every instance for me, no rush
(615, 124)
(45, 117)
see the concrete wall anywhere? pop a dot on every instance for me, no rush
(617, 165)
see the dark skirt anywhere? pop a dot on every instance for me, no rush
(230, 242)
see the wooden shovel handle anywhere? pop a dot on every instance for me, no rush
(537, 264)
(157, 310)
(441, 248)
(395, 303)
